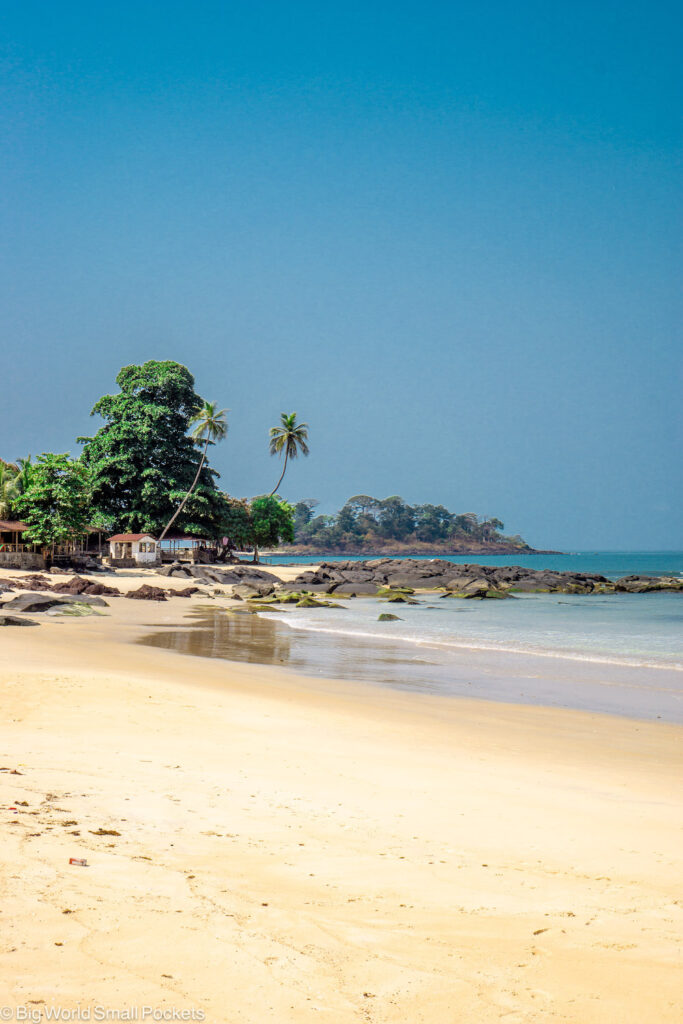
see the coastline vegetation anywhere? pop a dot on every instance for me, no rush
(146, 469)
(367, 525)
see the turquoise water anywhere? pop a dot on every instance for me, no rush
(640, 630)
(607, 563)
(613, 653)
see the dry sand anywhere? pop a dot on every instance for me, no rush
(293, 850)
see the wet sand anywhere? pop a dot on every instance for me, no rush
(294, 849)
(582, 685)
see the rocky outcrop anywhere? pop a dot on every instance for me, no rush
(647, 584)
(244, 591)
(481, 581)
(43, 602)
(14, 620)
(78, 585)
(148, 593)
(213, 574)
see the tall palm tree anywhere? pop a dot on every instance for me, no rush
(210, 426)
(289, 437)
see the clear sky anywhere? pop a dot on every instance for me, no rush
(446, 234)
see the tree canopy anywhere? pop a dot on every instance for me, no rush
(369, 524)
(56, 504)
(143, 460)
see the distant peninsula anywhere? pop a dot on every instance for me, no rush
(390, 526)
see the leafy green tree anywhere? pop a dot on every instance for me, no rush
(289, 437)
(237, 523)
(396, 519)
(272, 523)
(143, 460)
(9, 491)
(432, 522)
(465, 523)
(57, 504)
(211, 426)
(303, 513)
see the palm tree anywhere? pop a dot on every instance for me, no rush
(289, 437)
(210, 426)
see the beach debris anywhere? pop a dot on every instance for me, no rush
(104, 832)
(80, 862)
(148, 593)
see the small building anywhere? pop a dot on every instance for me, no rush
(15, 551)
(127, 550)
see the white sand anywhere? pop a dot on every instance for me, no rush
(293, 850)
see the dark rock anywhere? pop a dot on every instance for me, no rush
(356, 589)
(647, 584)
(41, 602)
(249, 589)
(148, 593)
(185, 592)
(78, 585)
(13, 620)
(34, 582)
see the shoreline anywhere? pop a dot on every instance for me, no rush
(294, 849)
(448, 671)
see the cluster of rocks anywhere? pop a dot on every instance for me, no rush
(234, 576)
(76, 585)
(150, 593)
(370, 577)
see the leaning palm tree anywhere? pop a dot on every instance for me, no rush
(210, 426)
(290, 437)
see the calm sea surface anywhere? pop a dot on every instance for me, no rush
(620, 653)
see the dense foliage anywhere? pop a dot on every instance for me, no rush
(57, 502)
(14, 479)
(143, 460)
(369, 524)
(272, 522)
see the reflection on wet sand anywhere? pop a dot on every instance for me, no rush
(213, 632)
(218, 633)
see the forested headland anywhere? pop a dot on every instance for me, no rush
(367, 525)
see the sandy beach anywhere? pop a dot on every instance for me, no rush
(267, 847)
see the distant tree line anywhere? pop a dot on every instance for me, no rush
(372, 524)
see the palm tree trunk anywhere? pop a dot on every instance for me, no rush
(282, 475)
(181, 506)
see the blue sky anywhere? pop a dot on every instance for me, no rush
(447, 235)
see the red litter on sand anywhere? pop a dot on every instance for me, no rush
(81, 862)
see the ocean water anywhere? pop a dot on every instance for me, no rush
(639, 630)
(614, 653)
